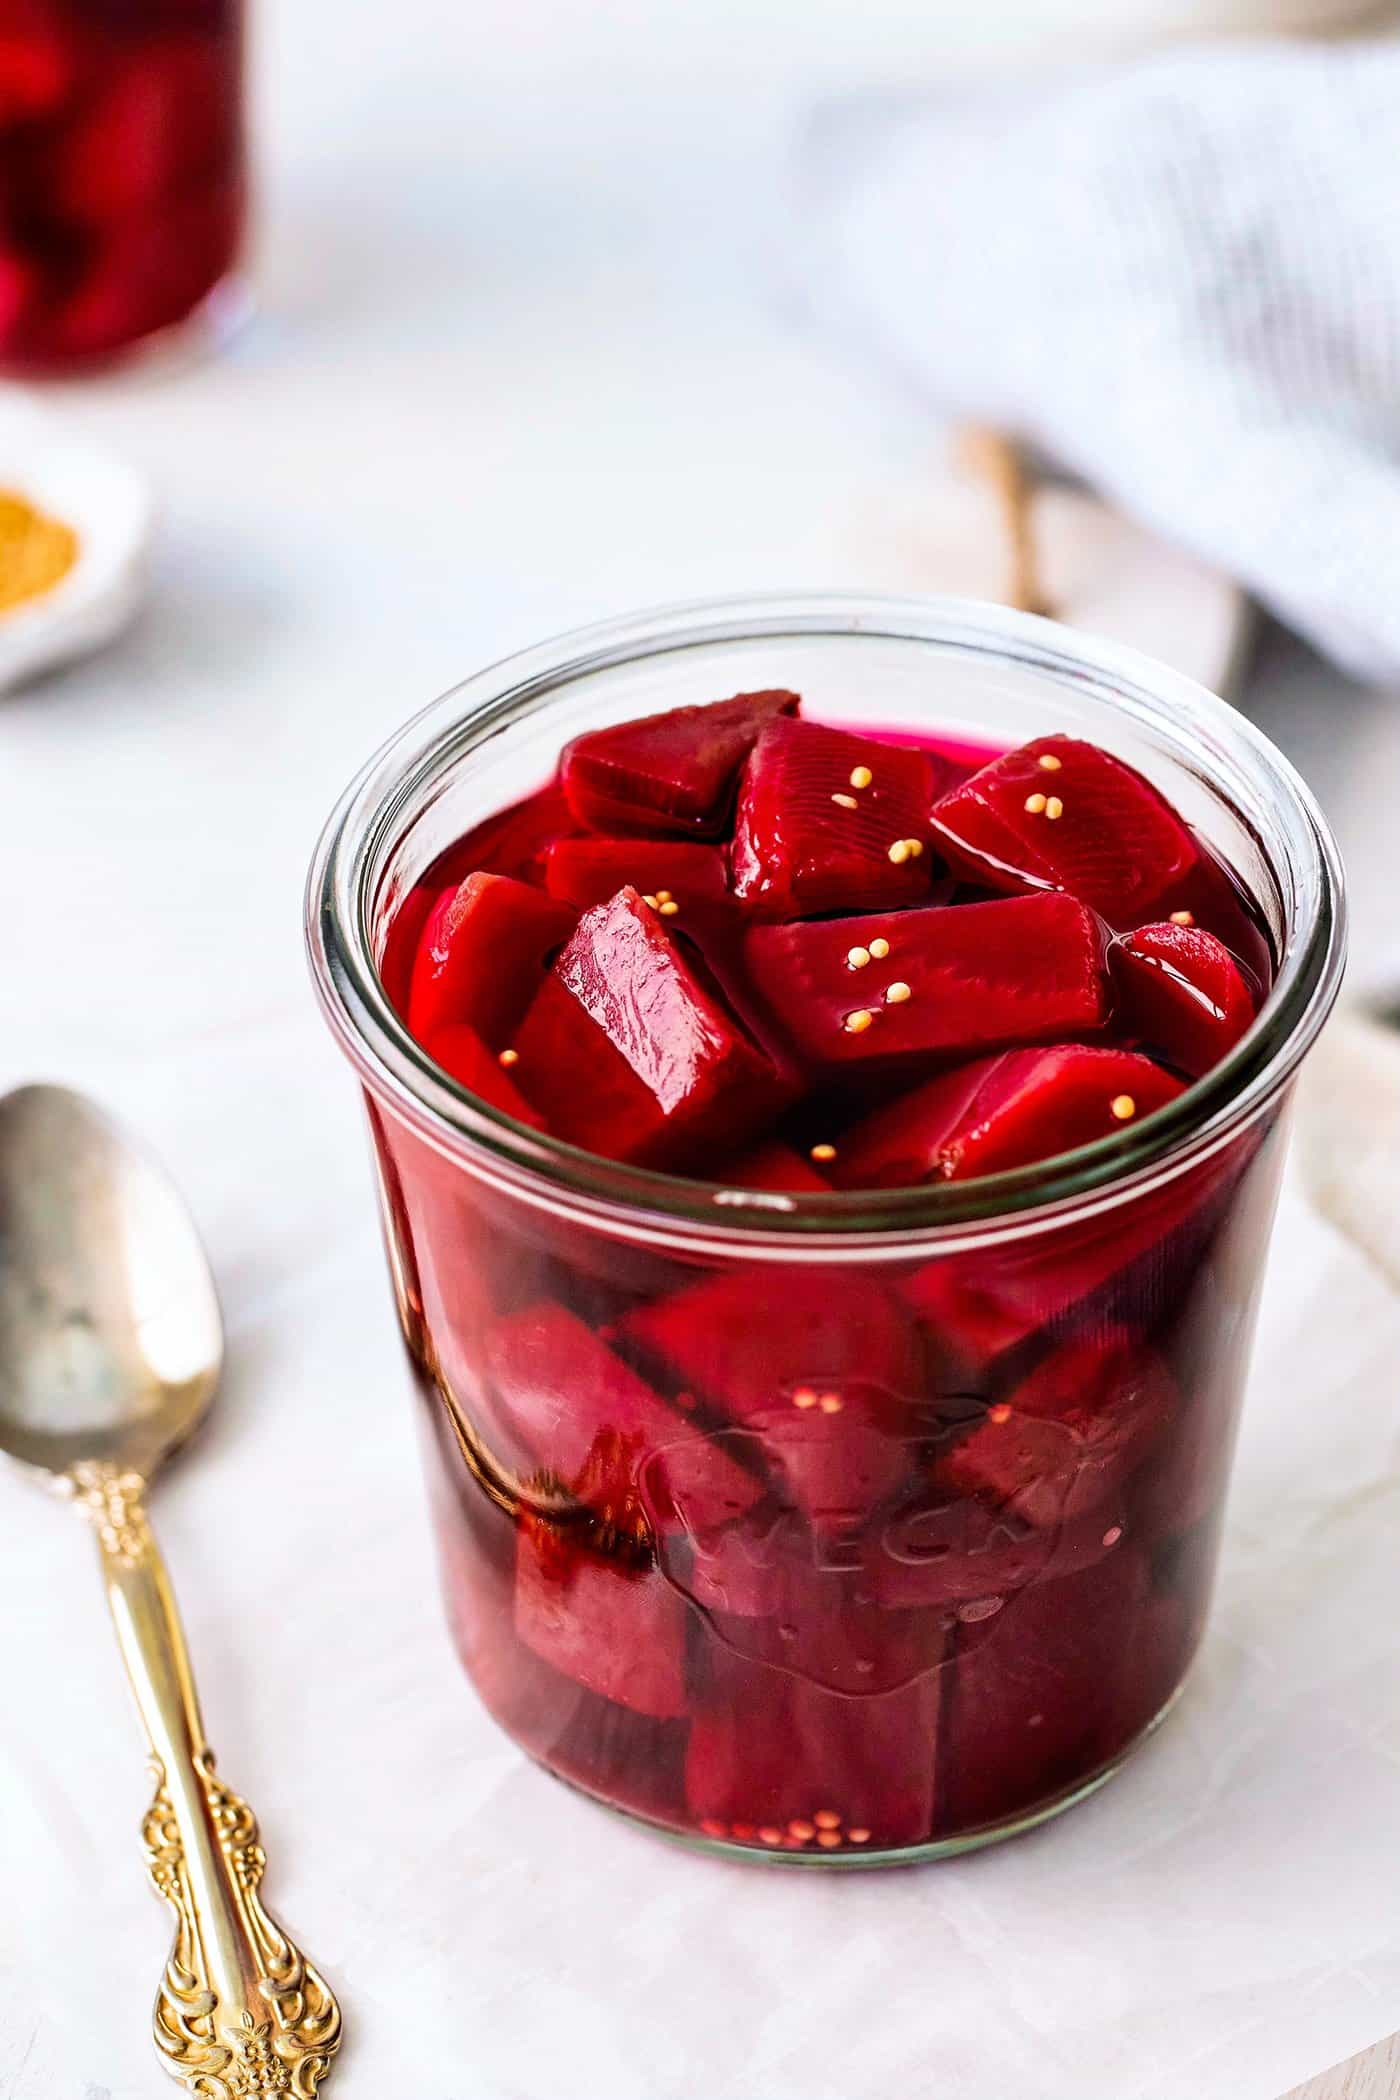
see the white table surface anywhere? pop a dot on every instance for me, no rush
(514, 369)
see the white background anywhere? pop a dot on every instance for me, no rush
(520, 361)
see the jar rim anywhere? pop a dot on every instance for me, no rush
(636, 1203)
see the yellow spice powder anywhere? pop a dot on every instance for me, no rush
(36, 551)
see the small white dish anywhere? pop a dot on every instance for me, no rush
(107, 506)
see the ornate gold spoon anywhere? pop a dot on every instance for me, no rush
(110, 1350)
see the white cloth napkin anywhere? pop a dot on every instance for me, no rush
(1180, 278)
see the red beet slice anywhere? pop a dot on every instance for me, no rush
(774, 1166)
(585, 872)
(576, 1408)
(827, 1376)
(1144, 1252)
(465, 1058)
(1065, 1440)
(628, 1053)
(1003, 1112)
(1061, 814)
(1180, 990)
(836, 1452)
(777, 1762)
(482, 955)
(627, 1757)
(746, 1342)
(670, 773)
(808, 839)
(1036, 1707)
(617, 1629)
(943, 979)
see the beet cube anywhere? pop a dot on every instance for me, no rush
(889, 988)
(777, 1761)
(668, 774)
(1181, 991)
(1065, 1440)
(589, 871)
(828, 821)
(1064, 815)
(1003, 1112)
(829, 1379)
(482, 954)
(627, 1052)
(1036, 1706)
(581, 1414)
(617, 1629)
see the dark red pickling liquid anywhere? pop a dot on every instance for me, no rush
(857, 1558)
(121, 171)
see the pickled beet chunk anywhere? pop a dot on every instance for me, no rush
(1063, 1442)
(465, 1058)
(777, 1762)
(613, 1627)
(1037, 1705)
(482, 956)
(889, 988)
(828, 821)
(1141, 1256)
(746, 1343)
(829, 1389)
(627, 1052)
(585, 872)
(577, 1411)
(1002, 1112)
(1180, 990)
(1063, 815)
(667, 774)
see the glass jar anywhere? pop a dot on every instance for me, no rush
(953, 1652)
(122, 177)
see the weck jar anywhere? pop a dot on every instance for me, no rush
(925, 1669)
(123, 178)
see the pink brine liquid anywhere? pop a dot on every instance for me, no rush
(832, 1560)
(122, 190)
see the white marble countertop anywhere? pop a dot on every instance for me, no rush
(514, 368)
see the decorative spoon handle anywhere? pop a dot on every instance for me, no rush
(239, 2014)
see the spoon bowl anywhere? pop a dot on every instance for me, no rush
(110, 1337)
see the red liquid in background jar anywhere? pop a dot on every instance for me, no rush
(851, 1559)
(122, 172)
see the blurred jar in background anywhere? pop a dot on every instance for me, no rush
(122, 176)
